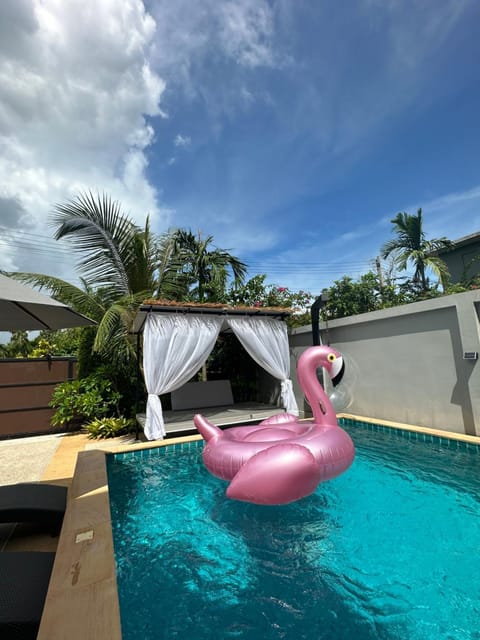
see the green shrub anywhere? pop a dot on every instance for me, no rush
(83, 400)
(109, 427)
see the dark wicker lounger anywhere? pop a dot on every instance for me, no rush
(34, 502)
(24, 578)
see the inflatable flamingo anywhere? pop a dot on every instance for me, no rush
(282, 459)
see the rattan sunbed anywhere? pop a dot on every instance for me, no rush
(34, 502)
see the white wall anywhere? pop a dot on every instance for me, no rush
(408, 362)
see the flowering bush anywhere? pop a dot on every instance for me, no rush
(255, 293)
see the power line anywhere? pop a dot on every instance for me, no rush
(43, 245)
(310, 269)
(25, 233)
(292, 263)
(311, 265)
(33, 248)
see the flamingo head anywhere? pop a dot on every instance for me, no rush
(334, 365)
(328, 358)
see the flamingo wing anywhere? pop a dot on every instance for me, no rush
(279, 474)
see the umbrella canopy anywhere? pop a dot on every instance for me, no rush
(24, 309)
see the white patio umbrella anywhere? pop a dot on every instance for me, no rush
(24, 309)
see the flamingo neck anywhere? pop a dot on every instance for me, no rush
(323, 411)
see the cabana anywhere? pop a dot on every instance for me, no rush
(179, 337)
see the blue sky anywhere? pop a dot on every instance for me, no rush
(290, 131)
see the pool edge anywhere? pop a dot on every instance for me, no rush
(399, 426)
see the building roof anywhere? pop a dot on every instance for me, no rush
(472, 238)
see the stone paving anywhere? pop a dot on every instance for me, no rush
(26, 459)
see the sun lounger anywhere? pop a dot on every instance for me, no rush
(24, 578)
(34, 502)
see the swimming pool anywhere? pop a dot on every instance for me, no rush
(388, 550)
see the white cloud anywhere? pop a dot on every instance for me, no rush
(76, 95)
(415, 32)
(182, 141)
(246, 30)
(190, 36)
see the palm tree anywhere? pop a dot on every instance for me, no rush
(206, 268)
(122, 264)
(411, 246)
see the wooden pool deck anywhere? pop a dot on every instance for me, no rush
(179, 423)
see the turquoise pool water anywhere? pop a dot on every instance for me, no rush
(389, 550)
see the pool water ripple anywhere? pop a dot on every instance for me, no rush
(389, 550)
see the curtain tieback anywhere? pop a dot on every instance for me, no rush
(286, 386)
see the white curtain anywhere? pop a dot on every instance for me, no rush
(266, 340)
(175, 346)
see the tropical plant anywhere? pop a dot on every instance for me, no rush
(42, 349)
(65, 342)
(348, 297)
(121, 265)
(101, 428)
(84, 399)
(411, 247)
(204, 272)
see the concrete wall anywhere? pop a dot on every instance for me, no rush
(408, 362)
(26, 387)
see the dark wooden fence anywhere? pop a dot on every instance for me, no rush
(26, 387)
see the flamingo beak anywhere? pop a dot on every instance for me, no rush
(338, 369)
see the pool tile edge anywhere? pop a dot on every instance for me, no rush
(437, 433)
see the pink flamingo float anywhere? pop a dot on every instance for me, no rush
(282, 459)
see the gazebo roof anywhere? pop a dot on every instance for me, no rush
(170, 306)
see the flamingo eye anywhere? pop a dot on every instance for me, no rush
(331, 357)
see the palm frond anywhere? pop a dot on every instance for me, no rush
(170, 280)
(113, 336)
(391, 246)
(205, 267)
(112, 339)
(101, 232)
(438, 266)
(140, 262)
(411, 246)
